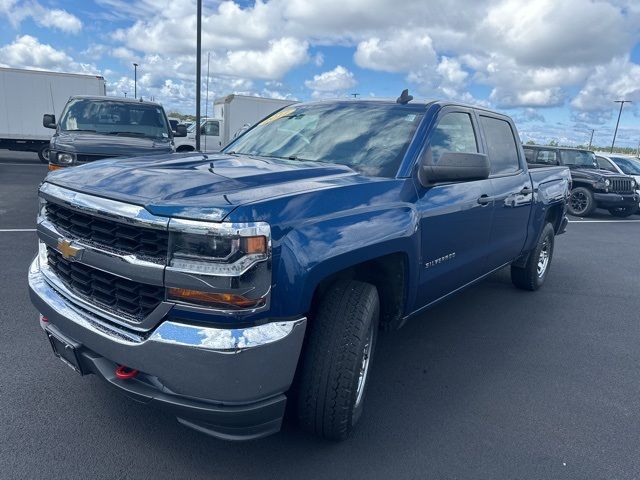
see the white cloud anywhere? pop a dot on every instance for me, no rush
(331, 83)
(27, 52)
(402, 52)
(59, 19)
(56, 18)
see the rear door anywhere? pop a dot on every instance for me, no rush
(512, 189)
(454, 225)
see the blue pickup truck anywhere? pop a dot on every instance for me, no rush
(220, 285)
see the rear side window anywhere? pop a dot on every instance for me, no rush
(501, 145)
(547, 157)
(454, 133)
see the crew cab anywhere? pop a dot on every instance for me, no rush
(593, 187)
(98, 127)
(207, 283)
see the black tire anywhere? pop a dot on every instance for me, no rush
(43, 153)
(532, 275)
(183, 149)
(581, 202)
(330, 395)
(623, 212)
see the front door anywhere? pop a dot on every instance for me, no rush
(210, 132)
(455, 219)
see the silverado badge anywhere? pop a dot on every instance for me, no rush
(67, 250)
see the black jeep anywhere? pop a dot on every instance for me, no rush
(592, 187)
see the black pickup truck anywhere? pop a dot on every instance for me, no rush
(592, 187)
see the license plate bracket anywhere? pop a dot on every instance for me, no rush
(64, 348)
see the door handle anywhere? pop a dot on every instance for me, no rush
(526, 191)
(485, 199)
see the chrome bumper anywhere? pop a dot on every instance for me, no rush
(215, 364)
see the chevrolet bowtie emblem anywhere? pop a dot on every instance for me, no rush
(67, 250)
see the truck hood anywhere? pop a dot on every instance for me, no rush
(592, 173)
(199, 186)
(108, 145)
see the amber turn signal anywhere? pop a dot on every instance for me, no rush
(254, 245)
(54, 167)
(213, 299)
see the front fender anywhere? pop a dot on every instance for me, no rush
(318, 249)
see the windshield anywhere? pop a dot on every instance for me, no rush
(579, 158)
(114, 118)
(370, 138)
(630, 166)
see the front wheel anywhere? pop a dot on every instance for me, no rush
(337, 359)
(581, 202)
(623, 212)
(43, 153)
(533, 274)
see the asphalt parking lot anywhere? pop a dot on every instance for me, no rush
(496, 383)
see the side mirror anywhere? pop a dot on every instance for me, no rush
(453, 167)
(181, 131)
(49, 120)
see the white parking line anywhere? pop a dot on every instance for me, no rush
(604, 221)
(6, 230)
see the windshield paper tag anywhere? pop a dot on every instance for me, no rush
(410, 118)
(276, 116)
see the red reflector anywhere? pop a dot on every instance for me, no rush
(125, 373)
(44, 319)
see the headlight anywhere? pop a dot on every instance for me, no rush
(633, 184)
(65, 158)
(225, 266)
(217, 248)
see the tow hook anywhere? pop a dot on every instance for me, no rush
(125, 373)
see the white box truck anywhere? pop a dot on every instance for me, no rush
(25, 95)
(232, 115)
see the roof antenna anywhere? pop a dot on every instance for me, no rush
(404, 97)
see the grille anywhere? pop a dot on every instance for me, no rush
(621, 185)
(124, 297)
(149, 243)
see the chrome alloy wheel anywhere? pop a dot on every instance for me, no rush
(543, 258)
(364, 366)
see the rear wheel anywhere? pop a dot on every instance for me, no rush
(623, 212)
(337, 359)
(533, 274)
(581, 202)
(43, 153)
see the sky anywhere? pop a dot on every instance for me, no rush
(555, 66)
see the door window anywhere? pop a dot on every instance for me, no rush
(454, 133)
(211, 128)
(501, 144)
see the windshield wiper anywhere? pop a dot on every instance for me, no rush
(137, 134)
(80, 130)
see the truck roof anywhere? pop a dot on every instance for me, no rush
(116, 99)
(49, 72)
(582, 149)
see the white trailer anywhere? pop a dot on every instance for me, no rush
(231, 116)
(26, 95)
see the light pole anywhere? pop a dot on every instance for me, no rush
(621, 102)
(591, 139)
(135, 80)
(198, 70)
(125, 94)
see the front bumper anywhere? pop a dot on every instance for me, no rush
(229, 383)
(616, 200)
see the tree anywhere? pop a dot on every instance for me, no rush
(530, 142)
